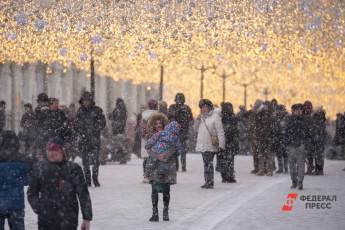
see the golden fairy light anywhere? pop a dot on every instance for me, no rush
(297, 47)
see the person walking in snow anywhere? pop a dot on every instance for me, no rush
(89, 123)
(296, 139)
(56, 190)
(14, 171)
(162, 144)
(210, 138)
(226, 158)
(181, 113)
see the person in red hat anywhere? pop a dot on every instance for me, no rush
(56, 187)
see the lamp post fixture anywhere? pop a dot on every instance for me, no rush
(202, 70)
(245, 85)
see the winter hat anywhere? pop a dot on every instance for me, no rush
(308, 107)
(296, 107)
(180, 98)
(55, 144)
(152, 104)
(86, 96)
(42, 97)
(28, 105)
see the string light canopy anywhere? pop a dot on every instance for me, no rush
(296, 48)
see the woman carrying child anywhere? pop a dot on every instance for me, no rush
(162, 141)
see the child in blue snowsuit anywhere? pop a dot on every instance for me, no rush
(14, 175)
(165, 140)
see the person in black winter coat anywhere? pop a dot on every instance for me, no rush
(181, 113)
(310, 155)
(28, 124)
(2, 115)
(278, 144)
(119, 117)
(319, 139)
(296, 139)
(56, 188)
(41, 117)
(119, 142)
(89, 123)
(56, 121)
(226, 159)
(339, 138)
(264, 136)
(14, 171)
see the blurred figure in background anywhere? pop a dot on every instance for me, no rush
(42, 135)
(89, 123)
(119, 142)
(181, 113)
(2, 115)
(28, 125)
(226, 158)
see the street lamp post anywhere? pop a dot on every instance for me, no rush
(245, 85)
(92, 75)
(224, 76)
(203, 69)
(161, 84)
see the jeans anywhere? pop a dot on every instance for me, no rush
(15, 220)
(91, 158)
(208, 167)
(296, 163)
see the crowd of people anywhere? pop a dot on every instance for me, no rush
(42, 155)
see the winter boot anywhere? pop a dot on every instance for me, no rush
(260, 173)
(269, 174)
(208, 185)
(95, 181)
(154, 199)
(166, 214)
(232, 180)
(300, 185)
(166, 201)
(154, 217)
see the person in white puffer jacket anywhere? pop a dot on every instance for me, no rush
(209, 126)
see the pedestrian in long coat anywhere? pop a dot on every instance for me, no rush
(89, 123)
(226, 158)
(160, 180)
(56, 190)
(210, 140)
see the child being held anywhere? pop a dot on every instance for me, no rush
(163, 141)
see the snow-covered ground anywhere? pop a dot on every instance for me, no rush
(123, 202)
